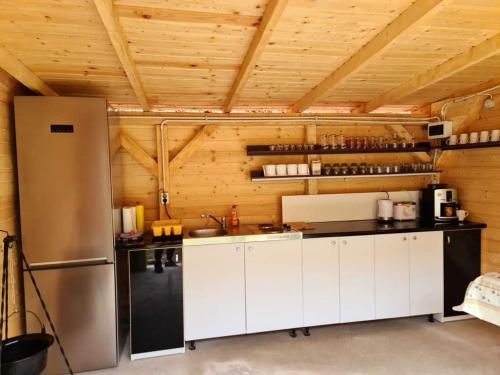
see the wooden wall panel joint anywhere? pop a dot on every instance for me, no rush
(138, 153)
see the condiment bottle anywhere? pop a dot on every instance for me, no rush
(235, 220)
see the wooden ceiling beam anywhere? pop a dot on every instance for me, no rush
(474, 55)
(412, 16)
(488, 85)
(112, 25)
(272, 14)
(15, 67)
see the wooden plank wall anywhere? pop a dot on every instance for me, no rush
(8, 189)
(217, 174)
(476, 174)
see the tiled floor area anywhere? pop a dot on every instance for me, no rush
(398, 346)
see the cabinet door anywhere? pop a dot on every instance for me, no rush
(426, 273)
(462, 264)
(392, 276)
(214, 290)
(357, 278)
(320, 257)
(273, 285)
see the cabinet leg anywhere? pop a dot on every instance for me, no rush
(305, 331)
(430, 318)
(192, 345)
(293, 333)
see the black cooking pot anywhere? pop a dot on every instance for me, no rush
(25, 354)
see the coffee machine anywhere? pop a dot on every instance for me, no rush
(439, 203)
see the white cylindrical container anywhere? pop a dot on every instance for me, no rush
(385, 207)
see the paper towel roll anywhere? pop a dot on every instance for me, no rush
(139, 214)
(117, 220)
(128, 219)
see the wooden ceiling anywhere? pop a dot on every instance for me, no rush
(293, 55)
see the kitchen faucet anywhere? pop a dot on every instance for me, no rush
(221, 222)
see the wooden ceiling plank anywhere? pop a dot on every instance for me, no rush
(474, 55)
(15, 67)
(112, 24)
(415, 14)
(272, 14)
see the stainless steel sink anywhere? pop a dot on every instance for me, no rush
(207, 232)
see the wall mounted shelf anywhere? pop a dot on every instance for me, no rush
(469, 146)
(258, 176)
(263, 150)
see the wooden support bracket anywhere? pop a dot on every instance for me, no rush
(401, 131)
(191, 147)
(138, 153)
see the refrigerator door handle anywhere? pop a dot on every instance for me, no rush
(69, 263)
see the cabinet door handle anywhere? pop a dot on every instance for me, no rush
(250, 248)
(404, 238)
(415, 237)
(334, 243)
(344, 242)
(238, 249)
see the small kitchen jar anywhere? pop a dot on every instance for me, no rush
(379, 169)
(354, 169)
(272, 147)
(372, 169)
(336, 169)
(344, 169)
(363, 168)
(327, 169)
(387, 169)
(396, 168)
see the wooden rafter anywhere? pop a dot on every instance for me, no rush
(138, 153)
(469, 91)
(191, 147)
(415, 14)
(112, 24)
(12, 65)
(474, 55)
(272, 14)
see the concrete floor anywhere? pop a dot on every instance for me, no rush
(398, 346)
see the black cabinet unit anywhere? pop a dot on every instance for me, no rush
(462, 264)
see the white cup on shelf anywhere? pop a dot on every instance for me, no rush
(303, 169)
(269, 170)
(452, 140)
(291, 169)
(484, 136)
(463, 139)
(281, 169)
(495, 135)
(473, 137)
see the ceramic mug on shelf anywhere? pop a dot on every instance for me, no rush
(484, 136)
(495, 135)
(462, 214)
(473, 137)
(463, 139)
(303, 169)
(269, 170)
(281, 169)
(452, 141)
(291, 169)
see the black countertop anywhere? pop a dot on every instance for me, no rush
(148, 242)
(366, 227)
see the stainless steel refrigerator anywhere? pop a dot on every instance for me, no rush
(66, 225)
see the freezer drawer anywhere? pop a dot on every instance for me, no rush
(81, 302)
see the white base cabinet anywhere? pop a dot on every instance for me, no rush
(392, 276)
(426, 273)
(273, 285)
(357, 278)
(214, 291)
(320, 272)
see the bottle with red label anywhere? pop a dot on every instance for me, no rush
(235, 220)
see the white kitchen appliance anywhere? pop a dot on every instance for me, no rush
(405, 210)
(385, 210)
(440, 129)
